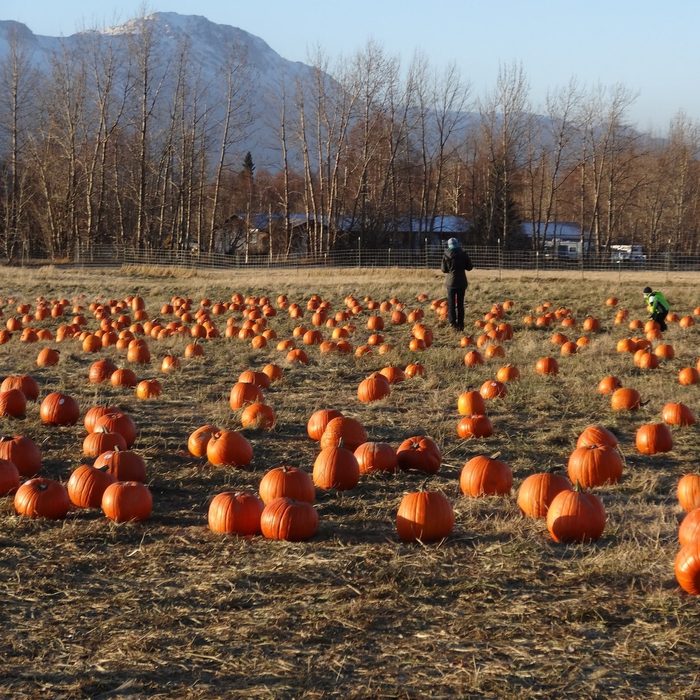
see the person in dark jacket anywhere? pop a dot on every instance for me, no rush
(455, 262)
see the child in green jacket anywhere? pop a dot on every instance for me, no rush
(657, 306)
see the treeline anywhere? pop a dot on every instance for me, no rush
(117, 146)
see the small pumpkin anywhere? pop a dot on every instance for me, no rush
(478, 426)
(148, 389)
(258, 416)
(425, 516)
(608, 384)
(94, 413)
(235, 513)
(123, 377)
(493, 389)
(287, 519)
(547, 366)
(126, 501)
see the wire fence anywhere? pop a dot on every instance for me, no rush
(483, 257)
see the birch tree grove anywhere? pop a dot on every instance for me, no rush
(122, 139)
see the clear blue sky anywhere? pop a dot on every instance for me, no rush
(650, 46)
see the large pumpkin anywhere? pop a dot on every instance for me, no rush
(125, 501)
(688, 492)
(243, 393)
(23, 452)
(229, 448)
(625, 399)
(474, 427)
(343, 430)
(94, 413)
(13, 403)
(687, 568)
(199, 439)
(471, 403)
(287, 519)
(596, 435)
(336, 468)
(689, 529)
(576, 516)
(677, 414)
(118, 422)
(86, 486)
(595, 465)
(59, 409)
(376, 457)
(102, 441)
(235, 513)
(485, 476)
(652, 438)
(538, 490)
(319, 420)
(373, 388)
(420, 453)
(24, 382)
(42, 498)
(424, 515)
(9, 477)
(289, 482)
(123, 465)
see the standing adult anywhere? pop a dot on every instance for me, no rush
(455, 263)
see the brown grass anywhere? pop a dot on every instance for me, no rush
(167, 609)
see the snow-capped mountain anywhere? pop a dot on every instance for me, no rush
(209, 46)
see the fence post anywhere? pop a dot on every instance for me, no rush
(426, 250)
(499, 258)
(619, 270)
(359, 251)
(668, 260)
(537, 264)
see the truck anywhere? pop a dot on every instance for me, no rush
(627, 254)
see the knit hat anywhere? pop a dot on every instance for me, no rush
(647, 290)
(453, 243)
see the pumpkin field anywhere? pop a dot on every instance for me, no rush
(351, 519)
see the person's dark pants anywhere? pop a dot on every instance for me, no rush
(660, 317)
(455, 307)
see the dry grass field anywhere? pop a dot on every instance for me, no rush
(167, 609)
